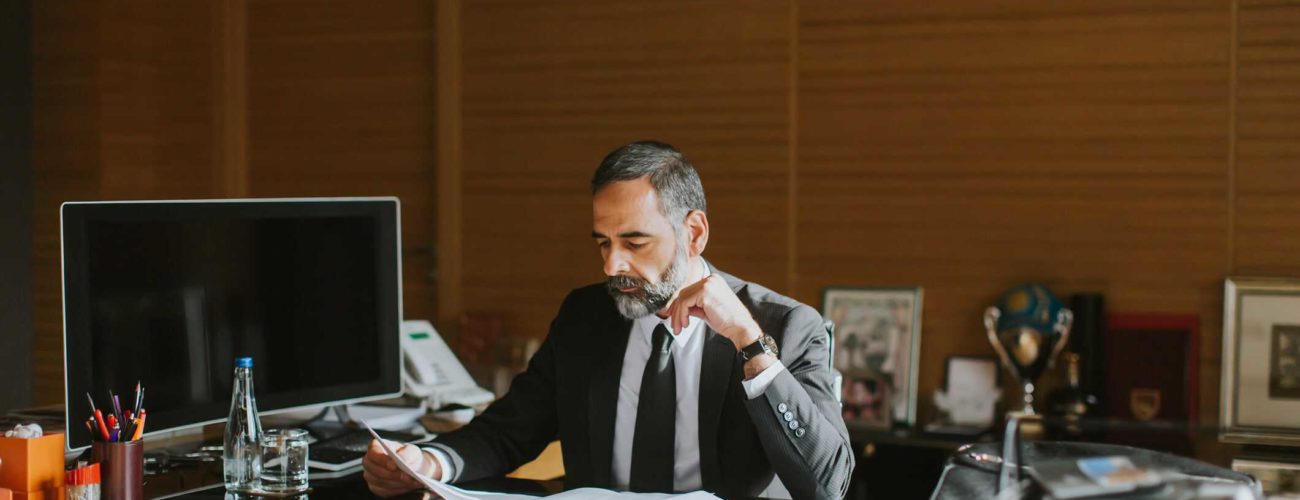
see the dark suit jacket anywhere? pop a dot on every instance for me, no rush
(570, 389)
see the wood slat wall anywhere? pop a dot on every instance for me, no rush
(1136, 150)
(341, 98)
(1268, 139)
(968, 147)
(962, 146)
(550, 87)
(65, 164)
(121, 111)
(150, 99)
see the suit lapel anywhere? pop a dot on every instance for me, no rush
(602, 403)
(716, 374)
(715, 378)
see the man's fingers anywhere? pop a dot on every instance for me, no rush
(684, 312)
(381, 456)
(380, 487)
(380, 465)
(382, 472)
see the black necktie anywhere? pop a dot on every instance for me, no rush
(656, 416)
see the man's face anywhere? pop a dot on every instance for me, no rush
(645, 261)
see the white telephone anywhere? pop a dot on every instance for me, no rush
(431, 371)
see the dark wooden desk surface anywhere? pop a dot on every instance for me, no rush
(202, 480)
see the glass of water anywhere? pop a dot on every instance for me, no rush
(284, 460)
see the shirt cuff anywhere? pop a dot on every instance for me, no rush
(755, 387)
(444, 464)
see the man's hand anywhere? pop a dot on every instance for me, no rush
(711, 300)
(386, 479)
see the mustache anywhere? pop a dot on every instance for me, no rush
(621, 282)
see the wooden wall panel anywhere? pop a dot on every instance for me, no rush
(65, 165)
(1268, 139)
(550, 87)
(121, 111)
(963, 146)
(969, 146)
(341, 103)
(137, 100)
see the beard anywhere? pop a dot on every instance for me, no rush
(648, 297)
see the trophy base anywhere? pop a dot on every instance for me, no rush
(1031, 427)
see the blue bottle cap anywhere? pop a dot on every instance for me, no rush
(243, 362)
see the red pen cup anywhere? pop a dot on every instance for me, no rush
(122, 469)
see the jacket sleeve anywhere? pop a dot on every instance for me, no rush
(514, 429)
(798, 417)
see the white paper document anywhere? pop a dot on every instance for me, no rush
(450, 492)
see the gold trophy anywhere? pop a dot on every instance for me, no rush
(1028, 328)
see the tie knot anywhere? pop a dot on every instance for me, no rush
(662, 340)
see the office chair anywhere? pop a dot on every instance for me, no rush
(837, 378)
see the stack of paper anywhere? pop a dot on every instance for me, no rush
(449, 492)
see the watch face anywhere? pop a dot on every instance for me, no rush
(769, 345)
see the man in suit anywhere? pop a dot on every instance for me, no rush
(671, 376)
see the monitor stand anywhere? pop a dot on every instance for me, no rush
(322, 428)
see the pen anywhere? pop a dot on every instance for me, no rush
(117, 405)
(99, 419)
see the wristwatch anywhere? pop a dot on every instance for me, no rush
(764, 345)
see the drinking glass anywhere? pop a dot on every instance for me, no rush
(284, 460)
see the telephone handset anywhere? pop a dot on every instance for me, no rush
(431, 371)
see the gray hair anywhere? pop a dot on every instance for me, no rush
(673, 177)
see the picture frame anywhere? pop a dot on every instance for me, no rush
(1260, 377)
(878, 338)
(972, 387)
(959, 370)
(1152, 367)
(866, 400)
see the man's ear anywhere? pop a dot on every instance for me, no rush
(697, 232)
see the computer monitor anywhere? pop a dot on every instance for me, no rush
(169, 293)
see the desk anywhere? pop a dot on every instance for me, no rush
(202, 480)
(898, 464)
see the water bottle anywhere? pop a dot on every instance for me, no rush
(242, 460)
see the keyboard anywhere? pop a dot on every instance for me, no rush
(346, 450)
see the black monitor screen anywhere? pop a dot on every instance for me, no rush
(170, 293)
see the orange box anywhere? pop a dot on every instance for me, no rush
(55, 494)
(32, 465)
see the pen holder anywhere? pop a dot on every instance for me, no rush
(122, 469)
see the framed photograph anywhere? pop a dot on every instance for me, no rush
(878, 338)
(971, 390)
(966, 373)
(866, 400)
(1260, 381)
(1152, 367)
